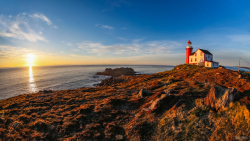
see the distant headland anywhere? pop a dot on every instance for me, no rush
(117, 72)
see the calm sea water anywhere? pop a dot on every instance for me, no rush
(17, 81)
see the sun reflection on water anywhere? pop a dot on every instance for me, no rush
(32, 84)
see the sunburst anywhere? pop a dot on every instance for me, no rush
(30, 59)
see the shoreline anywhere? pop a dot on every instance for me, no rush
(246, 68)
(95, 84)
(67, 78)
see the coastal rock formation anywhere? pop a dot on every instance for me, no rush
(118, 75)
(157, 102)
(113, 80)
(219, 97)
(161, 99)
(117, 71)
(143, 93)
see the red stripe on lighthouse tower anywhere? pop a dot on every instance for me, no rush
(189, 50)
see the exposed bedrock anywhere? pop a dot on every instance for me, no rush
(219, 97)
(113, 80)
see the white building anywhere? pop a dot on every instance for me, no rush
(199, 57)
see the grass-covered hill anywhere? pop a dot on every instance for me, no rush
(186, 103)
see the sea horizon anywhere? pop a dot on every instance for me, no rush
(83, 65)
(31, 79)
(25, 80)
(103, 65)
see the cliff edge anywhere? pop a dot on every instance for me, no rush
(186, 103)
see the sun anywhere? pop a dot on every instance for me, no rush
(30, 59)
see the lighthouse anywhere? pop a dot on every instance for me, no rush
(189, 50)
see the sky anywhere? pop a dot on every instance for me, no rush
(103, 32)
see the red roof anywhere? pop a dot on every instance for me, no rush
(188, 41)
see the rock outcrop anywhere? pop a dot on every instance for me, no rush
(113, 80)
(117, 72)
(143, 93)
(219, 97)
(158, 101)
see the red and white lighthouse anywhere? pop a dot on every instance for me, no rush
(189, 50)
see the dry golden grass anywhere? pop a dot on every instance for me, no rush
(116, 112)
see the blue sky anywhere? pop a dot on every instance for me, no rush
(122, 31)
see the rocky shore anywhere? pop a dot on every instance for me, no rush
(118, 75)
(186, 103)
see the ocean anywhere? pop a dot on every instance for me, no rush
(26, 80)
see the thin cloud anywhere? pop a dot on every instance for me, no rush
(245, 39)
(14, 31)
(73, 49)
(80, 56)
(10, 52)
(123, 39)
(55, 27)
(137, 40)
(107, 27)
(68, 44)
(19, 27)
(42, 17)
(151, 47)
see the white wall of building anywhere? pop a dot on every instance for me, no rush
(192, 59)
(197, 57)
(200, 57)
(208, 64)
(211, 64)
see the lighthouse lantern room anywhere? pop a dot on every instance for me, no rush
(189, 50)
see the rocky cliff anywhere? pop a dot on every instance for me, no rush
(186, 103)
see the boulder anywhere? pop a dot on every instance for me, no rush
(219, 97)
(168, 91)
(158, 101)
(143, 93)
(15, 124)
(46, 91)
(119, 137)
(178, 104)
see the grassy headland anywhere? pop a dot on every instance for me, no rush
(172, 108)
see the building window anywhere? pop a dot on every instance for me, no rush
(195, 59)
(201, 53)
(207, 64)
(191, 59)
(208, 56)
(195, 54)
